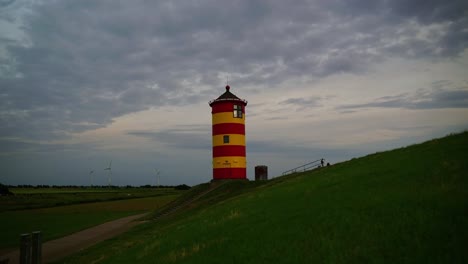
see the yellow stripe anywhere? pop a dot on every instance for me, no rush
(229, 162)
(227, 117)
(234, 139)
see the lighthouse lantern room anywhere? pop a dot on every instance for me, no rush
(228, 134)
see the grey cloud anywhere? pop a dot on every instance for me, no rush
(424, 11)
(429, 11)
(5, 3)
(300, 104)
(277, 118)
(180, 137)
(307, 152)
(15, 146)
(347, 111)
(434, 99)
(90, 62)
(445, 99)
(303, 102)
(441, 84)
(262, 146)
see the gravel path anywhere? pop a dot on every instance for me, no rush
(56, 249)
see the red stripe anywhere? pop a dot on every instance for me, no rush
(228, 150)
(228, 128)
(229, 173)
(225, 107)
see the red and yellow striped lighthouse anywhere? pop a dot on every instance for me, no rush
(228, 130)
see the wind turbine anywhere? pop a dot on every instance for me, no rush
(109, 175)
(91, 176)
(157, 176)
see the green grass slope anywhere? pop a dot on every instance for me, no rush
(408, 205)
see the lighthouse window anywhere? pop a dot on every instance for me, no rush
(238, 111)
(226, 139)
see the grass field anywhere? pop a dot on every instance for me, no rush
(58, 221)
(408, 205)
(30, 198)
(19, 190)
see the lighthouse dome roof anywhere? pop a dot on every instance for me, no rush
(228, 96)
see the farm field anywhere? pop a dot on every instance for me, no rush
(407, 205)
(58, 221)
(30, 198)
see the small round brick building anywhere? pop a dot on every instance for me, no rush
(228, 134)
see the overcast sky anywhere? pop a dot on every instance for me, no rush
(85, 82)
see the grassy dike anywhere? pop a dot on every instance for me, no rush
(408, 205)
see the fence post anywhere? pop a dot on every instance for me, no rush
(25, 249)
(36, 247)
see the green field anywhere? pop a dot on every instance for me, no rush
(408, 205)
(30, 198)
(58, 221)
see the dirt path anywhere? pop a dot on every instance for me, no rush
(56, 249)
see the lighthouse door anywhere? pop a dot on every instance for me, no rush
(227, 165)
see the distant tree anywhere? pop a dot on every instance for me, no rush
(182, 187)
(4, 190)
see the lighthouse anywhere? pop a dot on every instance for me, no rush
(228, 135)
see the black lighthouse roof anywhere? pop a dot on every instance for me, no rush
(227, 96)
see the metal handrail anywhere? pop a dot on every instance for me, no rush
(308, 166)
